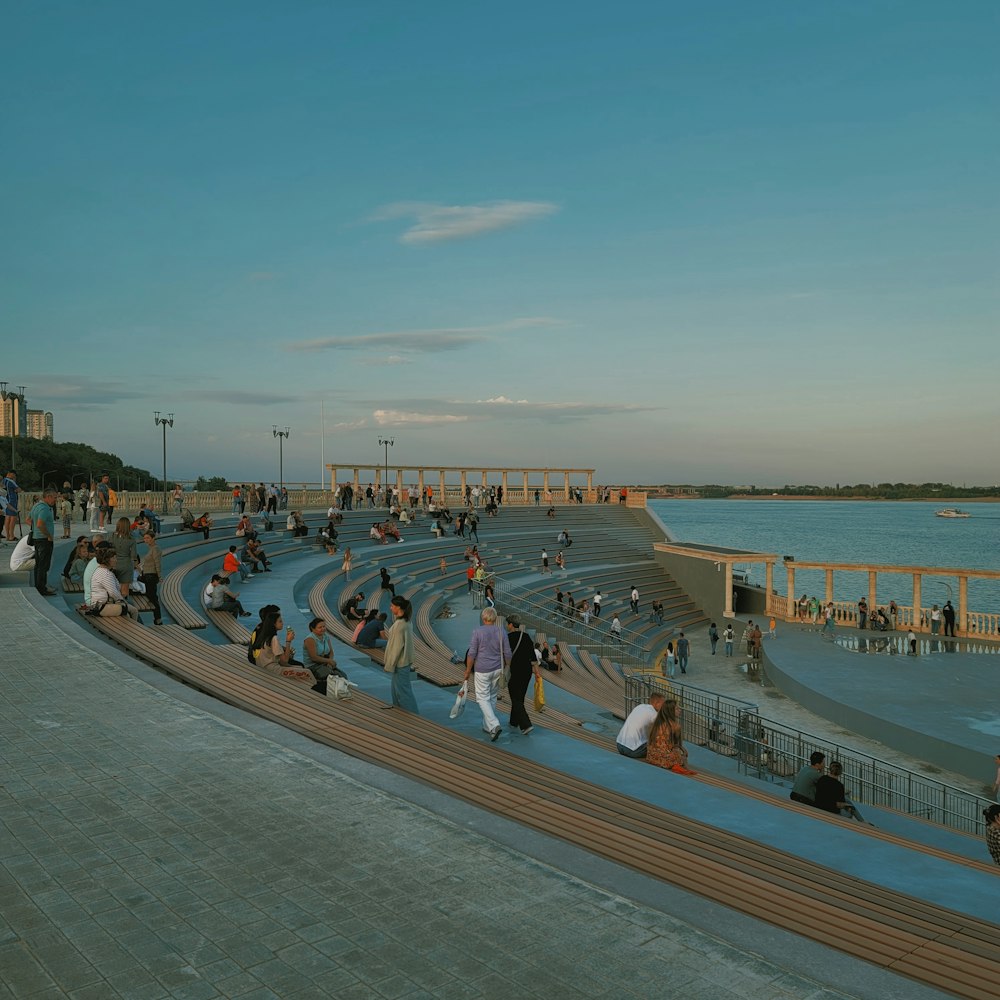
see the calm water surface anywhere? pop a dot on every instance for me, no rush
(898, 533)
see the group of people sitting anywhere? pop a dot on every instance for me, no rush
(382, 531)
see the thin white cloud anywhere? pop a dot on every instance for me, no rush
(429, 341)
(436, 223)
(402, 418)
(388, 361)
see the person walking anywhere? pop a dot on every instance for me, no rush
(523, 665)
(713, 636)
(683, 648)
(152, 570)
(948, 613)
(489, 652)
(399, 655)
(727, 638)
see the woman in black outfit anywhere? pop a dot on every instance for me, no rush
(522, 665)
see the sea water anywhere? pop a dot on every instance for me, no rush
(898, 533)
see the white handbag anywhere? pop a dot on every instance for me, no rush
(460, 699)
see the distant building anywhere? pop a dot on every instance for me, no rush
(17, 420)
(39, 424)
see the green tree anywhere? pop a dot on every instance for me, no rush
(204, 485)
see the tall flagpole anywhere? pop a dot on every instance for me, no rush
(322, 444)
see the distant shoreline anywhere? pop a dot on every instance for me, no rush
(946, 501)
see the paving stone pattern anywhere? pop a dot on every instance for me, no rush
(148, 849)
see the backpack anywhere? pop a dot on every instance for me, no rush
(252, 653)
(112, 498)
(187, 518)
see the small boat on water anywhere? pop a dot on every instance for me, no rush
(951, 512)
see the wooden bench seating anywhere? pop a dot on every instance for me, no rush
(912, 937)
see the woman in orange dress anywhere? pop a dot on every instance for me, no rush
(666, 743)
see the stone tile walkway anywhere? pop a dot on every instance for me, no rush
(152, 849)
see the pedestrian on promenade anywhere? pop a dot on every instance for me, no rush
(683, 647)
(178, 498)
(727, 636)
(346, 565)
(43, 530)
(152, 570)
(828, 618)
(616, 628)
(559, 603)
(863, 613)
(948, 612)
(523, 665)
(935, 620)
(713, 637)
(11, 492)
(545, 561)
(399, 655)
(489, 652)
(747, 638)
(386, 581)
(597, 604)
(911, 643)
(893, 614)
(772, 627)
(634, 600)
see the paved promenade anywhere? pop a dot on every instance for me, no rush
(155, 843)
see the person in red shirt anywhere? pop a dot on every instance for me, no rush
(231, 564)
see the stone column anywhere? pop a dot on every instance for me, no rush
(917, 599)
(485, 484)
(872, 590)
(462, 485)
(525, 474)
(566, 486)
(790, 602)
(963, 606)
(357, 485)
(829, 586)
(729, 613)
(768, 582)
(441, 491)
(378, 479)
(333, 478)
(503, 483)
(545, 481)
(420, 485)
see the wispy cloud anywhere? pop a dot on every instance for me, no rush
(81, 392)
(239, 397)
(431, 341)
(413, 412)
(435, 223)
(403, 418)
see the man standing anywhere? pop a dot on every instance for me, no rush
(43, 529)
(949, 618)
(597, 604)
(683, 646)
(489, 653)
(862, 613)
(103, 502)
(634, 600)
(10, 494)
(545, 561)
(634, 735)
(804, 788)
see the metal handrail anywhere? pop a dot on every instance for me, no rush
(770, 751)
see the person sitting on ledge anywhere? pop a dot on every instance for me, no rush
(106, 598)
(202, 524)
(372, 634)
(804, 787)
(245, 528)
(390, 529)
(218, 597)
(296, 525)
(831, 794)
(633, 737)
(377, 533)
(271, 655)
(253, 553)
(351, 609)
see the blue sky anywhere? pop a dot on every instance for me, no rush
(717, 242)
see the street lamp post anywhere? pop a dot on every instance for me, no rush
(14, 397)
(164, 422)
(281, 435)
(388, 443)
